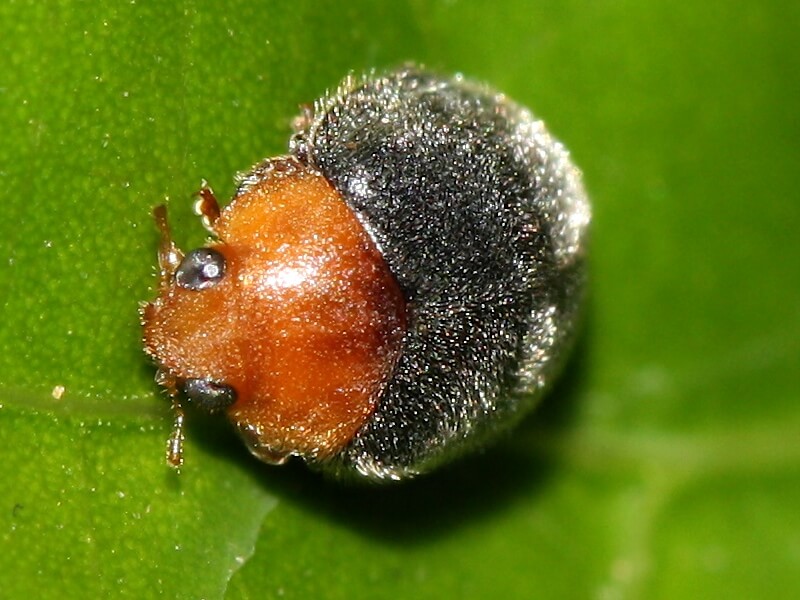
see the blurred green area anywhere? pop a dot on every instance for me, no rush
(665, 465)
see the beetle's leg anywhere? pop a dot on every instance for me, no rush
(175, 440)
(169, 256)
(207, 207)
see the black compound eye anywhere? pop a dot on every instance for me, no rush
(200, 269)
(209, 395)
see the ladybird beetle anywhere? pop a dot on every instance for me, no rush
(396, 290)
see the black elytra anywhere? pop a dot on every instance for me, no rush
(482, 219)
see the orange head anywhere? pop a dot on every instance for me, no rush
(289, 321)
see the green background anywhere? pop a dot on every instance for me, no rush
(666, 464)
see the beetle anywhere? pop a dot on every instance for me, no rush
(396, 290)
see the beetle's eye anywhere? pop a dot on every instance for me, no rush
(209, 395)
(200, 269)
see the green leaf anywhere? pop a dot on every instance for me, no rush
(665, 465)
